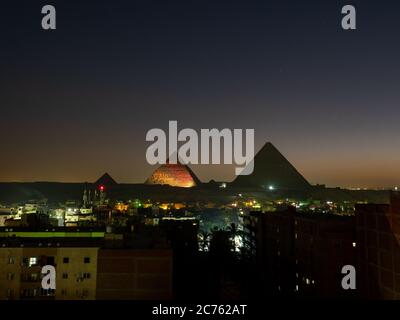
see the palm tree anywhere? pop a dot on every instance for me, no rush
(204, 239)
(232, 229)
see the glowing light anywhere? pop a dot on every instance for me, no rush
(33, 261)
(121, 207)
(178, 206)
(101, 188)
(238, 242)
(175, 175)
(271, 188)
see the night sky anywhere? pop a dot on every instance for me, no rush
(77, 101)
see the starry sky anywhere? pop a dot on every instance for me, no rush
(78, 101)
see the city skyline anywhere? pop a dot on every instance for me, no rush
(78, 101)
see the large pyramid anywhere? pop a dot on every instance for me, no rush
(175, 175)
(272, 171)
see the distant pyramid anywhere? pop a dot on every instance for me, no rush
(105, 180)
(272, 171)
(175, 175)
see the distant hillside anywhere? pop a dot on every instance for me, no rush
(55, 192)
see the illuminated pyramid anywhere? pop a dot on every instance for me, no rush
(175, 175)
(272, 171)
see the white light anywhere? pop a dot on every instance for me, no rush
(271, 188)
(354, 244)
(33, 261)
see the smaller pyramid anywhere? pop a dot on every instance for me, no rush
(105, 180)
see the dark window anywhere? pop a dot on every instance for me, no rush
(25, 261)
(86, 260)
(65, 275)
(50, 261)
(65, 260)
(46, 292)
(10, 292)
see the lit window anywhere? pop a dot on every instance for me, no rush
(354, 244)
(297, 288)
(33, 261)
(295, 235)
(11, 260)
(308, 281)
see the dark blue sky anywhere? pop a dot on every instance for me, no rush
(78, 101)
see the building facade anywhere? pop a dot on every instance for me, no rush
(378, 238)
(300, 254)
(86, 268)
